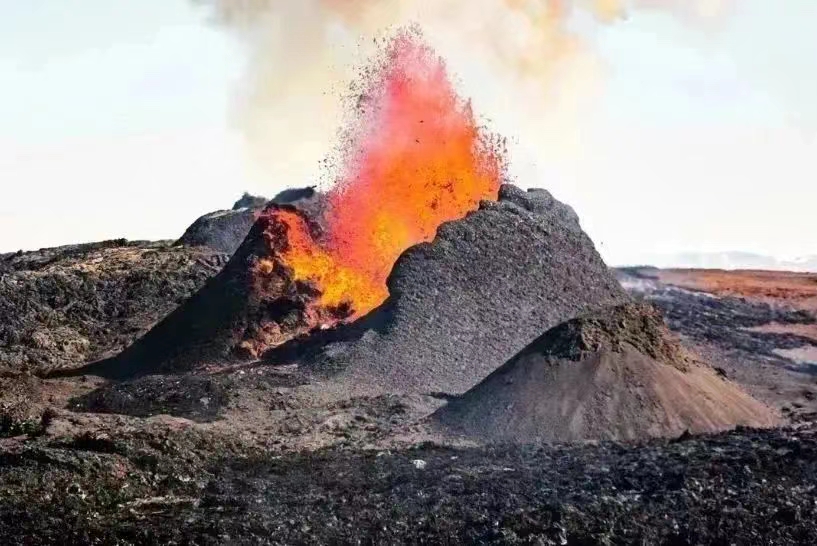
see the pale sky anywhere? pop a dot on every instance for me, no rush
(116, 120)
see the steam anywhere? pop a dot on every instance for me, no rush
(522, 62)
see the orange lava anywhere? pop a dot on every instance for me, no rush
(782, 288)
(416, 159)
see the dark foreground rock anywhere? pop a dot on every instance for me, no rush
(199, 398)
(613, 374)
(462, 305)
(63, 307)
(744, 488)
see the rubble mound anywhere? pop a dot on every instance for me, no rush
(63, 307)
(252, 304)
(615, 374)
(463, 304)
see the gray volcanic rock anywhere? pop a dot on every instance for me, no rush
(291, 196)
(225, 230)
(249, 201)
(747, 487)
(460, 306)
(615, 374)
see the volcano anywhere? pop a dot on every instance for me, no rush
(414, 158)
(614, 374)
(463, 304)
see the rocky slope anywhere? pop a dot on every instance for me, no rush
(64, 307)
(253, 303)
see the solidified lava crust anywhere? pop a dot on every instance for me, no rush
(742, 487)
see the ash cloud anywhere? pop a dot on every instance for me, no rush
(527, 69)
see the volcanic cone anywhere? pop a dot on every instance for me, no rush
(254, 303)
(460, 306)
(616, 374)
(413, 157)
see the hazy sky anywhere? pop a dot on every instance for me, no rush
(116, 121)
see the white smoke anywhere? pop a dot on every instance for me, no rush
(522, 62)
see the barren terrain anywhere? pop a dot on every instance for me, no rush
(64, 307)
(760, 335)
(797, 290)
(261, 453)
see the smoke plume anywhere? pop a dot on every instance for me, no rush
(522, 62)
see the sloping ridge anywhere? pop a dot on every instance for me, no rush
(252, 304)
(616, 374)
(461, 305)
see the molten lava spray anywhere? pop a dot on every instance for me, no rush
(416, 159)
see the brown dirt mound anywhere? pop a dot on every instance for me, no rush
(613, 375)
